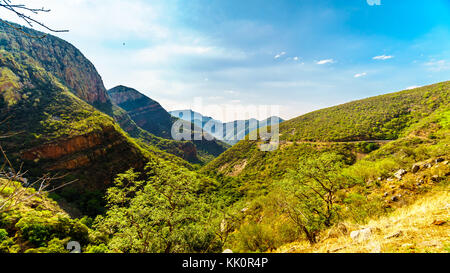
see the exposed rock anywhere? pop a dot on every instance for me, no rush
(415, 168)
(435, 178)
(385, 194)
(227, 251)
(396, 198)
(395, 235)
(337, 231)
(361, 235)
(439, 222)
(439, 160)
(400, 173)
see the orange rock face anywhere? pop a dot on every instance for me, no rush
(63, 148)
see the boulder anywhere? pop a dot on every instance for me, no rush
(361, 235)
(400, 173)
(439, 160)
(415, 168)
(395, 198)
(435, 178)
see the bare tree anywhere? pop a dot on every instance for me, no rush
(27, 14)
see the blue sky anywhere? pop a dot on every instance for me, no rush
(300, 54)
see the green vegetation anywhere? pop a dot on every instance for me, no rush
(167, 212)
(381, 117)
(141, 194)
(38, 225)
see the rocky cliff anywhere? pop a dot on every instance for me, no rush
(61, 59)
(145, 112)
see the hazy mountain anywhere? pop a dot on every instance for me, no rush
(229, 132)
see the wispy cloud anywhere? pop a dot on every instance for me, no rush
(383, 57)
(437, 66)
(327, 61)
(359, 75)
(279, 55)
(412, 87)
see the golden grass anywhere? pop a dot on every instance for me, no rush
(421, 227)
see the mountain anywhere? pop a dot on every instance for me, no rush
(146, 113)
(153, 118)
(229, 132)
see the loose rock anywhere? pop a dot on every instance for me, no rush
(361, 235)
(400, 173)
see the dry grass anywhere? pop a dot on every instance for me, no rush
(421, 227)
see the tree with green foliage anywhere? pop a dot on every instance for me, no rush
(161, 213)
(308, 195)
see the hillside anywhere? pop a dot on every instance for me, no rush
(153, 118)
(52, 130)
(145, 112)
(355, 129)
(48, 116)
(422, 227)
(312, 185)
(229, 132)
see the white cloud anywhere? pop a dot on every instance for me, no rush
(359, 75)
(279, 55)
(412, 87)
(327, 61)
(437, 66)
(296, 58)
(383, 57)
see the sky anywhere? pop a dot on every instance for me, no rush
(301, 55)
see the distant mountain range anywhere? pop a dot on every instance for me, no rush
(229, 132)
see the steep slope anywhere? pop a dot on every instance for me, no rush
(52, 130)
(354, 129)
(62, 60)
(145, 112)
(228, 132)
(153, 118)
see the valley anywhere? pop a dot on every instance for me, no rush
(119, 182)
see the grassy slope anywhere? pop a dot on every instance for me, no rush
(328, 129)
(422, 227)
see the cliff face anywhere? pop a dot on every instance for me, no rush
(61, 59)
(145, 112)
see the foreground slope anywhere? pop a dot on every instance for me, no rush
(422, 227)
